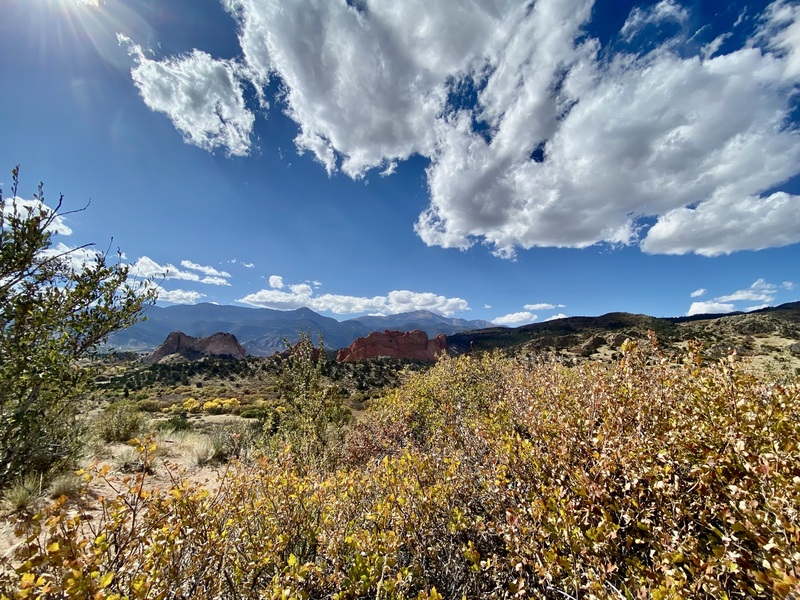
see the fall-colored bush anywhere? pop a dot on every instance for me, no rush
(481, 478)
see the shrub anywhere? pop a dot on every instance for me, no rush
(255, 412)
(52, 314)
(68, 484)
(120, 422)
(177, 422)
(150, 405)
(482, 478)
(22, 493)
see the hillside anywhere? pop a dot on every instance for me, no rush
(770, 337)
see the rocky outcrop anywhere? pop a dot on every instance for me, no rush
(395, 344)
(219, 345)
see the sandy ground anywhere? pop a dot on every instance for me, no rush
(174, 456)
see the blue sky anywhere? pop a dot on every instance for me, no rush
(494, 160)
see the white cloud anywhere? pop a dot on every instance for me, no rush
(517, 318)
(725, 225)
(576, 143)
(757, 307)
(760, 291)
(555, 317)
(202, 96)
(713, 46)
(214, 281)
(204, 269)
(781, 32)
(711, 307)
(147, 267)
(698, 293)
(788, 285)
(665, 10)
(398, 301)
(248, 265)
(179, 296)
(390, 169)
(542, 306)
(275, 281)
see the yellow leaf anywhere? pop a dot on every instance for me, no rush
(106, 580)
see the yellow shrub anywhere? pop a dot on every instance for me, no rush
(482, 478)
(191, 405)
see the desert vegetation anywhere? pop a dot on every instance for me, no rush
(484, 476)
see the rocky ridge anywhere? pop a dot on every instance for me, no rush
(219, 345)
(413, 345)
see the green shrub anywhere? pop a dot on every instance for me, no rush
(254, 412)
(53, 314)
(175, 423)
(120, 422)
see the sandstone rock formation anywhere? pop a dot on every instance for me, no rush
(220, 345)
(395, 344)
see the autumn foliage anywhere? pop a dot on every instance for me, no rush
(481, 478)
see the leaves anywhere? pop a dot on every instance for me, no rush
(52, 314)
(482, 478)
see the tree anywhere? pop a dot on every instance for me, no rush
(56, 305)
(313, 410)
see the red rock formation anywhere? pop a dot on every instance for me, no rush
(395, 344)
(222, 345)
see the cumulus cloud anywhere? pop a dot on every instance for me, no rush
(781, 32)
(276, 281)
(698, 293)
(542, 306)
(202, 96)
(147, 267)
(398, 301)
(710, 307)
(78, 258)
(179, 296)
(517, 318)
(538, 135)
(760, 291)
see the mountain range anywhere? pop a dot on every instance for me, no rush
(262, 331)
